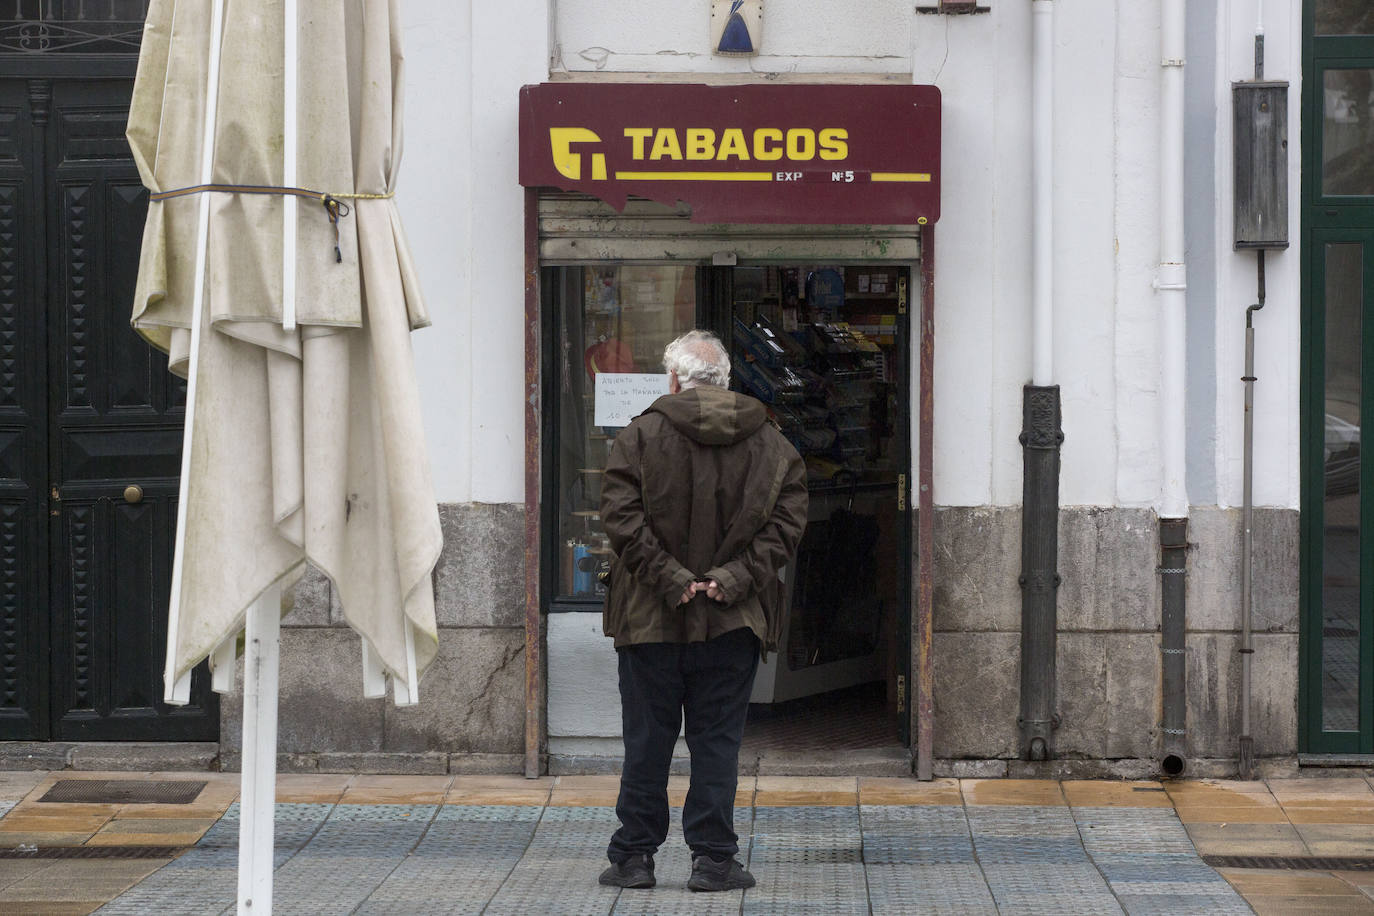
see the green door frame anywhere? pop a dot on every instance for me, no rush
(1326, 220)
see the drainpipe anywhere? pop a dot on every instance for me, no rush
(1247, 649)
(1171, 284)
(1041, 435)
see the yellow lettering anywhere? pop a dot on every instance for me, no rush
(834, 143)
(701, 143)
(761, 148)
(801, 144)
(568, 163)
(638, 135)
(732, 144)
(666, 145)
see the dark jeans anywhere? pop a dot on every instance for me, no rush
(709, 681)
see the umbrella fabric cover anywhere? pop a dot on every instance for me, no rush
(305, 444)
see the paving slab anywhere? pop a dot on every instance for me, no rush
(1082, 793)
(1247, 840)
(897, 790)
(1012, 792)
(15, 785)
(1337, 839)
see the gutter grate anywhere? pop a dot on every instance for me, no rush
(125, 791)
(92, 852)
(1310, 863)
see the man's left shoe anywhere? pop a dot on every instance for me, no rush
(708, 874)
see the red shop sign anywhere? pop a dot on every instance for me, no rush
(741, 154)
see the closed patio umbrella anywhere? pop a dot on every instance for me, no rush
(275, 274)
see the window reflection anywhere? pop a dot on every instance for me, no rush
(615, 319)
(1341, 508)
(1348, 132)
(1344, 17)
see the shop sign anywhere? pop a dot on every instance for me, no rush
(741, 154)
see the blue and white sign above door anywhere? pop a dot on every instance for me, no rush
(736, 27)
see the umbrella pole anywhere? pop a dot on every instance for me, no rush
(177, 689)
(258, 787)
(262, 630)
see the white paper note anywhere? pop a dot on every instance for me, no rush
(622, 396)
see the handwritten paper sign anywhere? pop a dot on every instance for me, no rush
(622, 396)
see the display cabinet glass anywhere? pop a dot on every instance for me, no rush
(615, 319)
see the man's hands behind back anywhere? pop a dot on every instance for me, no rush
(710, 587)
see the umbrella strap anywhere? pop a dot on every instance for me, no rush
(333, 202)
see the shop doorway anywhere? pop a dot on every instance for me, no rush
(826, 346)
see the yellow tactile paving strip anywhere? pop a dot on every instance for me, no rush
(1084, 793)
(1012, 792)
(499, 790)
(820, 791)
(892, 790)
(1332, 816)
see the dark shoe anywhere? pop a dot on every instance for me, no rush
(636, 871)
(725, 875)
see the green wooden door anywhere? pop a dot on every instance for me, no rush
(1338, 378)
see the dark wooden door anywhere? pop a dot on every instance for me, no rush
(91, 432)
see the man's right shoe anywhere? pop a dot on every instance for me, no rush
(636, 871)
(709, 874)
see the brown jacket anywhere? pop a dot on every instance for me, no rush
(700, 485)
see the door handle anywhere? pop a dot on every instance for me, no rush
(133, 493)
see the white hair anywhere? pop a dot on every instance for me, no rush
(698, 358)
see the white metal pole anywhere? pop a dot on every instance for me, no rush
(177, 690)
(258, 780)
(1171, 281)
(1042, 192)
(289, 173)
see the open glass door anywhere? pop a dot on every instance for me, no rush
(825, 347)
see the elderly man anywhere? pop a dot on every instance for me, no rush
(704, 502)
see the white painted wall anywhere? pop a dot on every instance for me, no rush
(464, 214)
(1277, 327)
(433, 195)
(669, 36)
(463, 211)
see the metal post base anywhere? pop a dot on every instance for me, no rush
(1041, 439)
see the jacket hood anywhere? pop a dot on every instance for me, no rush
(710, 415)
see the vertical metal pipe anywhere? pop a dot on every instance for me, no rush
(1171, 282)
(1042, 192)
(925, 519)
(1041, 439)
(1247, 650)
(534, 620)
(1173, 563)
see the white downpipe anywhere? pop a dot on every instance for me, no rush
(290, 130)
(1042, 192)
(1171, 282)
(177, 690)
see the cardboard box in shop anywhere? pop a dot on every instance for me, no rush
(870, 280)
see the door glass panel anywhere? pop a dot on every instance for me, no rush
(818, 344)
(1344, 17)
(1344, 296)
(615, 319)
(1348, 132)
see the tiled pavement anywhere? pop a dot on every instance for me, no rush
(506, 845)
